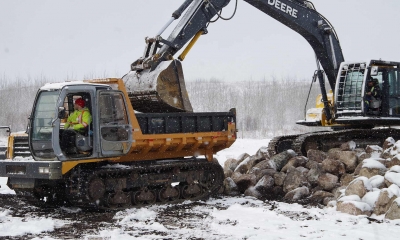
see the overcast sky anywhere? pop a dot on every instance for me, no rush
(76, 38)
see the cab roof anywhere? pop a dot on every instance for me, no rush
(58, 86)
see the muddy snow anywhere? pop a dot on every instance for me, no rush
(218, 218)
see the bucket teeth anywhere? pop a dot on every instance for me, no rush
(160, 90)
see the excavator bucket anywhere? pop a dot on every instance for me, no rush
(160, 90)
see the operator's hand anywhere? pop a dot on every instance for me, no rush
(369, 93)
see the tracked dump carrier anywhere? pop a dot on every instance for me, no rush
(125, 158)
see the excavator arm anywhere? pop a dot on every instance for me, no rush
(156, 81)
(302, 17)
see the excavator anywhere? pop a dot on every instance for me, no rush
(146, 145)
(158, 78)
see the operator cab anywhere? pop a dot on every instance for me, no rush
(353, 97)
(108, 134)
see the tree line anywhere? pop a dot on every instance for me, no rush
(264, 108)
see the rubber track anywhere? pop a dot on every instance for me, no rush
(81, 199)
(275, 143)
(325, 140)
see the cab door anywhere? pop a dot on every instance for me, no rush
(115, 127)
(394, 92)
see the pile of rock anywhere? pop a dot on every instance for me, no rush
(356, 181)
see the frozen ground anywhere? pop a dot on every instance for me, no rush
(217, 218)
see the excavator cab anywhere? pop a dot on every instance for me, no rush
(352, 96)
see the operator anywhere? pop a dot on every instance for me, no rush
(373, 92)
(77, 122)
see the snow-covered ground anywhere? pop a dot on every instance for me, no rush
(222, 218)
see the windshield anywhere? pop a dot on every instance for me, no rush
(44, 113)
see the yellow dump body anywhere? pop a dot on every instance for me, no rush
(170, 145)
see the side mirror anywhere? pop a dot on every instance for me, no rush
(61, 112)
(374, 70)
(8, 129)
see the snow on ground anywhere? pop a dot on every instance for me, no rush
(249, 146)
(222, 218)
(17, 226)
(248, 218)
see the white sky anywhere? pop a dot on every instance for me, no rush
(101, 38)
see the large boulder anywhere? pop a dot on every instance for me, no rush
(279, 178)
(242, 157)
(390, 162)
(282, 158)
(313, 174)
(319, 196)
(295, 178)
(266, 164)
(354, 208)
(312, 164)
(247, 164)
(394, 210)
(374, 150)
(346, 179)
(245, 181)
(316, 155)
(371, 197)
(349, 159)
(359, 186)
(298, 193)
(390, 151)
(333, 153)
(377, 181)
(328, 181)
(361, 154)
(348, 146)
(393, 176)
(265, 184)
(298, 161)
(384, 201)
(265, 172)
(230, 187)
(228, 173)
(333, 166)
(388, 143)
(235, 176)
(262, 153)
(372, 167)
(244, 165)
(339, 192)
(254, 171)
(252, 192)
(329, 201)
(395, 189)
(230, 164)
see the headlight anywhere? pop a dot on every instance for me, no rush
(44, 170)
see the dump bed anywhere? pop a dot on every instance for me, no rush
(159, 123)
(183, 134)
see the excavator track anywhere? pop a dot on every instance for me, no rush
(114, 187)
(281, 143)
(326, 140)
